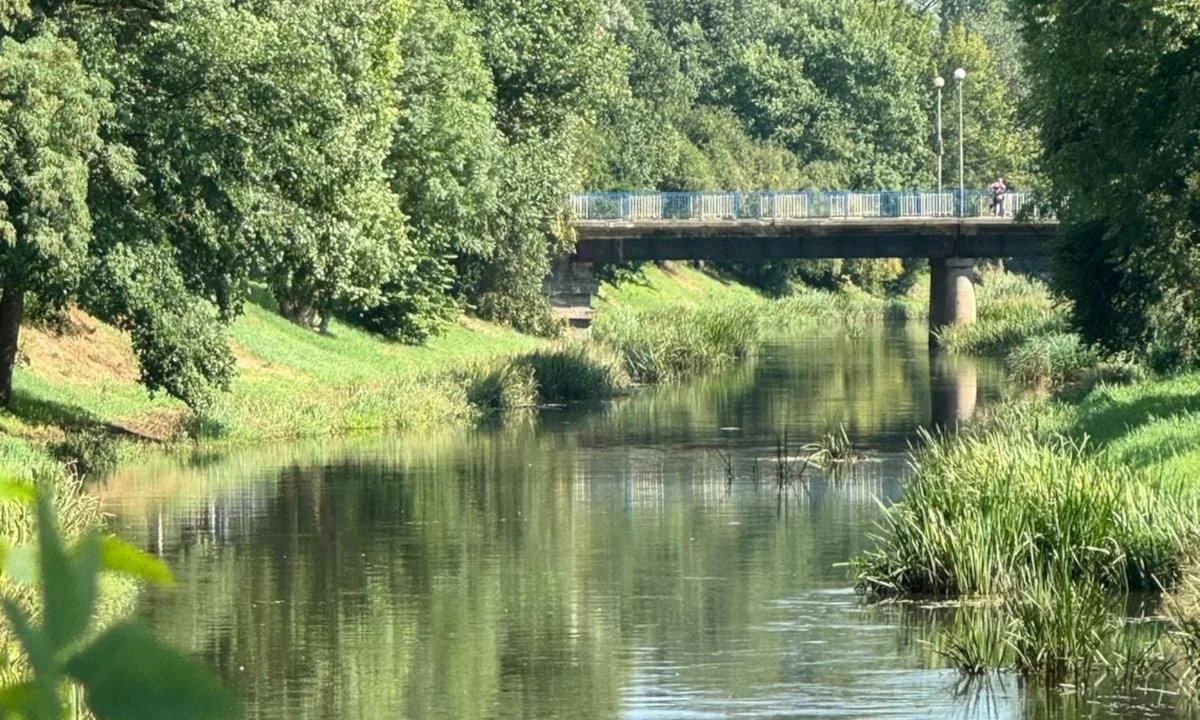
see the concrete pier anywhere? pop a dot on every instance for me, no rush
(951, 292)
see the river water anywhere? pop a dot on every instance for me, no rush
(586, 563)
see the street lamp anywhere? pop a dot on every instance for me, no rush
(960, 75)
(939, 82)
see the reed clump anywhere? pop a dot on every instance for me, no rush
(575, 373)
(665, 345)
(853, 309)
(987, 507)
(1052, 359)
(569, 373)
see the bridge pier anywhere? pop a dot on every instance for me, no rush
(571, 287)
(951, 292)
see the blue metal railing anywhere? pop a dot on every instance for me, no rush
(798, 205)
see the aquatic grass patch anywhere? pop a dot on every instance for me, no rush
(1063, 627)
(573, 373)
(664, 345)
(986, 506)
(1051, 359)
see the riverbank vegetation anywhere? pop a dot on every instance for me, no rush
(1051, 513)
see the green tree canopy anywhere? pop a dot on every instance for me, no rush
(1116, 87)
(50, 113)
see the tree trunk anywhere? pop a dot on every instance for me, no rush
(12, 308)
(301, 314)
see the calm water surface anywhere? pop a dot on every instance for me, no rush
(591, 563)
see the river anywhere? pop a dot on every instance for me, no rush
(587, 563)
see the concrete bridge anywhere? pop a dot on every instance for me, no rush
(952, 230)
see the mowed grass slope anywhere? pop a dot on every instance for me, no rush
(674, 286)
(290, 382)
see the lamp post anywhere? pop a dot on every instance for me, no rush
(960, 75)
(939, 82)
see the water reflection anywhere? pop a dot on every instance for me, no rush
(594, 563)
(953, 389)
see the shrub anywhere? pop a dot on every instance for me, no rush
(89, 453)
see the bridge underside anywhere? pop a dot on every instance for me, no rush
(758, 240)
(950, 244)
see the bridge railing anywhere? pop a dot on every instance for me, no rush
(800, 205)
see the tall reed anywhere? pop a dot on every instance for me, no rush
(664, 345)
(988, 505)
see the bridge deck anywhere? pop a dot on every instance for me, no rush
(761, 239)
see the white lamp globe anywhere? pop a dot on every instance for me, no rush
(939, 81)
(960, 74)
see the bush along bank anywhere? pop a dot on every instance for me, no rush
(1043, 519)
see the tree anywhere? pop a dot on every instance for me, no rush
(443, 163)
(551, 63)
(1115, 87)
(997, 141)
(337, 235)
(50, 112)
(258, 131)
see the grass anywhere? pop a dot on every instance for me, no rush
(663, 345)
(852, 307)
(989, 506)
(1054, 512)
(1051, 359)
(291, 383)
(77, 512)
(569, 373)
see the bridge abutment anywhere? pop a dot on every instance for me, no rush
(571, 287)
(951, 292)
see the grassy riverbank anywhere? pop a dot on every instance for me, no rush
(1021, 322)
(1052, 513)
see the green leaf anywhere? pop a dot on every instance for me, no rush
(68, 579)
(21, 564)
(16, 490)
(128, 675)
(41, 700)
(119, 556)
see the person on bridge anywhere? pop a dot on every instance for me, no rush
(998, 189)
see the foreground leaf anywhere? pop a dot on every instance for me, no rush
(128, 675)
(39, 698)
(68, 579)
(119, 556)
